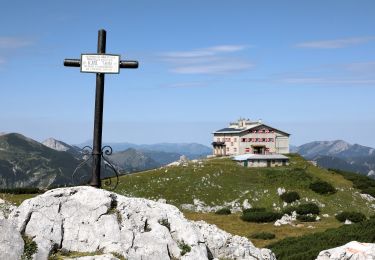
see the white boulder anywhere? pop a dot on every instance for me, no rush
(224, 245)
(353, 250)
(87, 219)
(11, 242)
(286, 219)
(246, 204)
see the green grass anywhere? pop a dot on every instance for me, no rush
(222, 180)
(16, 199)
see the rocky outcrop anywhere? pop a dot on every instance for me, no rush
(352, 250)
(222, 244)
(86, 219)
(11, 242)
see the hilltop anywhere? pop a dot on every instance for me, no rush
(201, 187)
(220, 181)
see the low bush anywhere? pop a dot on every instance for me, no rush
(306, 218)
(370, 191)
(254, 210)
(261, 217)
(308, 246)
(263, 236)
(223, 211)
(289, 210)
(322, 187)
(290, 197)
(308, 208)
(353, 216)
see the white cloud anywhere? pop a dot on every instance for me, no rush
(212, 60)
(14, 42)
(335, 44)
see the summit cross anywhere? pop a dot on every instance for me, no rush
(101, 64)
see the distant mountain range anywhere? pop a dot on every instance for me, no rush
(191, 150)
(27, 163)
(340, 155)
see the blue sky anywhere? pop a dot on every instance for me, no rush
(306, 67)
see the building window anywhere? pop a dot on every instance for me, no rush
(235, 150)
(227, 149)
(247, 150)
(231, 144)
(235, 139)
(243, 140)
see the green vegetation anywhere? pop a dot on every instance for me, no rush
(223, 211)
(306, 218)
(322, 187)
(353, 216)
(30, 248)
(16, 199)
(308, 246)
(185, 248)
(253, 210)
(261, 216)
(263, 235)
(290, 197)
(308, 208)
(21, 191)
(219, 181)
(361, 182)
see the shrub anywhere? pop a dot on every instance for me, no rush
(263, 235)
(289, 210)
(185, 248)
(261, 217)
(309, 246)
(369, 190)
(306, 218)
(254, 210)
(290, 197)
(223, 211)
(351, 215)
(30, 248)
(308, 208)
(322, 187)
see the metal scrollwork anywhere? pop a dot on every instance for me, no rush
(107, 150)
(88, 155)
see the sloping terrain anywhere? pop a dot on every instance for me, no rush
(221, 182)
(27, 163)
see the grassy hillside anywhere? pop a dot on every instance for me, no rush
(217, 181)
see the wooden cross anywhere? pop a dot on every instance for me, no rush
(99, 63)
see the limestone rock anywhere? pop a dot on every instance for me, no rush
(224, 245)
(246, 204)
(11, 242)
(352, 250)
(87, 219)
(286, 219)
